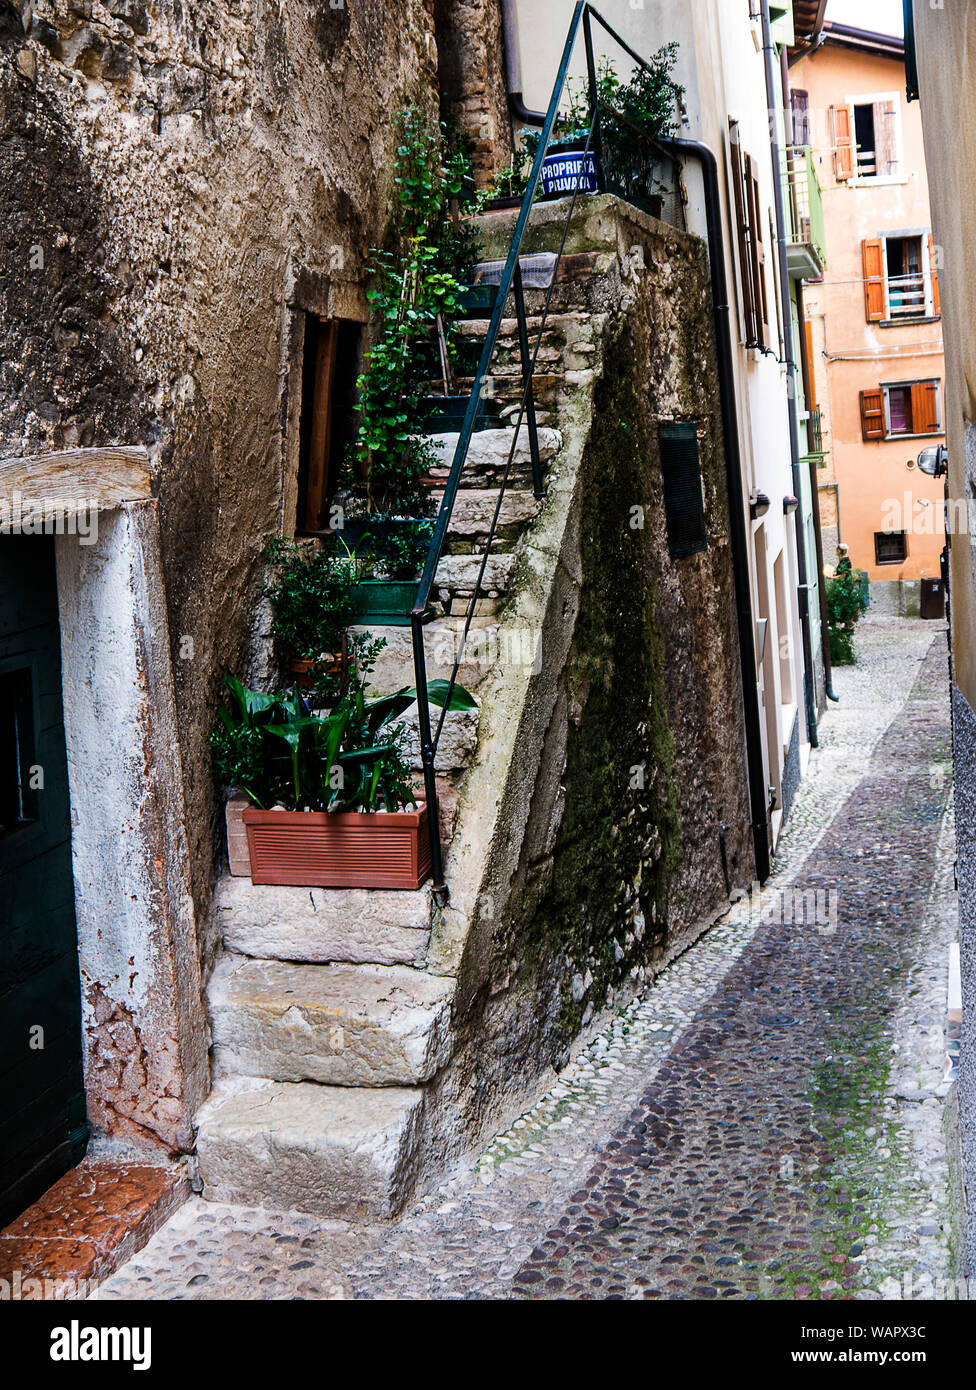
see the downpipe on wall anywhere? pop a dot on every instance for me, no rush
(513, 67)
(739, 543)
(803, 587)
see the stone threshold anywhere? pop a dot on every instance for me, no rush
(86, 1226)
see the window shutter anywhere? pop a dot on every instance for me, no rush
(801, 116)
(758, 256)
(840, 124)
(872, 257)
(925, 408)
(885, 152)
(742, 236)
(808, 338)
(936, 298)
(872, 415)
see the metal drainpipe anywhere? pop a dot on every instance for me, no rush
(738, 537)
(803, 588)
(513, 67)
(806, 368)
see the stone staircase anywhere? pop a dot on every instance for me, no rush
(330, 1023)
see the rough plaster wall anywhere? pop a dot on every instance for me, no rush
(145, 1034)
(184, 169)
(588, 885)
(964, 753)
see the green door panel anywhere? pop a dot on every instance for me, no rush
(43, 1130)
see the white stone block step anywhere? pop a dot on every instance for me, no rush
(341, 1025)
(394, 666)
(328, 1150)
(359, 926)
(489, 451)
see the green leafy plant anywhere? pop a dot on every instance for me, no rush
(280, 753)
(312, 595)
(413, 285)
(845, 606)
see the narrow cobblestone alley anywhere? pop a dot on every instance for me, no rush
(767, 1121)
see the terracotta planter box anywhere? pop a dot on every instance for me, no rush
(313, 849)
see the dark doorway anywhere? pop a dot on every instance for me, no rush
(330, 370)
(42, 1097)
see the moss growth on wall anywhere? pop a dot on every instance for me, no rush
(620, 837)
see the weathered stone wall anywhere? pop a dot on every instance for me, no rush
(604, 856)
(180, 181)
(472, 79)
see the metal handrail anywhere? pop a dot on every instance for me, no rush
(511, 282)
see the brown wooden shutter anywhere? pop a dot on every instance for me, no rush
(742, 236)
(840, 124)
(872, 258)
(758, 255)
(925, 407)
(872, 415)
(808, 338)
(885, 150)
(936, 298)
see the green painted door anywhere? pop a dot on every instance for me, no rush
(42, 1099)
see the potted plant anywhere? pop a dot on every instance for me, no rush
(312, 593)
(331, 798)
(415, 295)
(632, 114)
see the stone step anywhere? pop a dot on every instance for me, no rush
(342, 1025)
(568, 339)
(488, 455)
(333, 1151)
(321, 926)
(394, 668)
(474, 510)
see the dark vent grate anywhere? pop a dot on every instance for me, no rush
(684, 506)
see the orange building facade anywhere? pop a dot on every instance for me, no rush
(874, 320)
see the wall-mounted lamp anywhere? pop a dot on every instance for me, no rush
(790, 505)
(758, 504)
(934, 461)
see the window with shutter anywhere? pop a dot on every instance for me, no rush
(742, 237)
(872, 415)
(840, 124)
(758, 255)
(872, 258)
(934, 273)
(684, 506)
(801, 116)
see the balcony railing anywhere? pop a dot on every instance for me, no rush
(906, 296)
(806, 251)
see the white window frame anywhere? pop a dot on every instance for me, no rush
(887, 386)
(872, 99)
(925, 261)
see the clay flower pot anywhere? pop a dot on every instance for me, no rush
(303, 671)
(316, 849)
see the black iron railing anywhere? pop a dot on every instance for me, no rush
(511, 283)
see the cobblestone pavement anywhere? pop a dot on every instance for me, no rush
(766, 1121)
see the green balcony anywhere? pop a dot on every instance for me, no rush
(806, 244)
